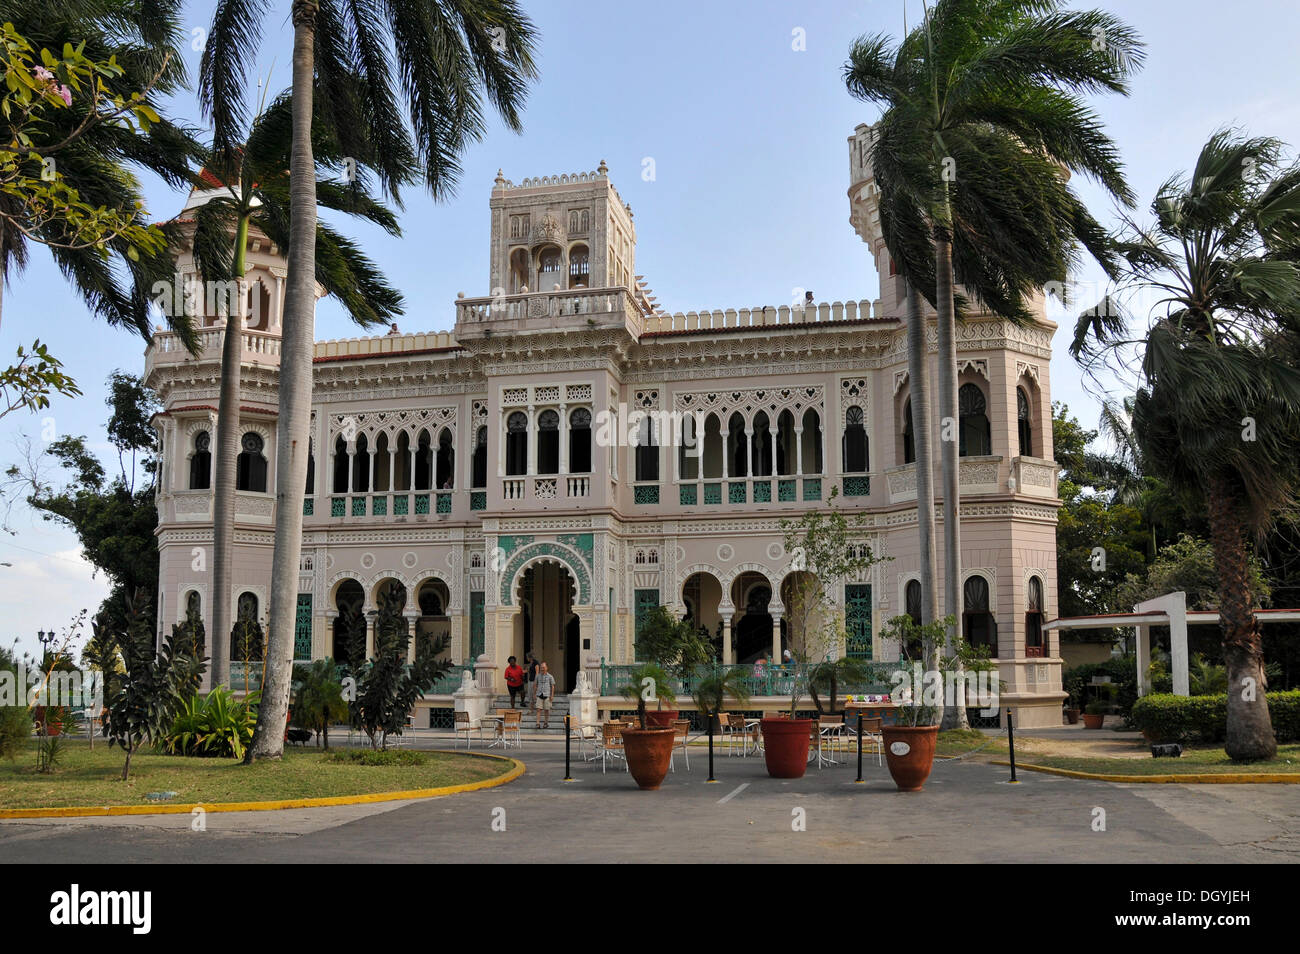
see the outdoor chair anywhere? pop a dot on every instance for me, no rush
(736, 722)
(463, 725)
(724, 731)
(584, 734)
(872, 735)
(832, 730)
(683, 727)
(512, 720)
(611, 744)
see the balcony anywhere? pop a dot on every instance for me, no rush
(166, 350)
(574, 308)
(714, 491)
(395, 506)
(547, 488)
(1035, 477)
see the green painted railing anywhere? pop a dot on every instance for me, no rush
(771, 681)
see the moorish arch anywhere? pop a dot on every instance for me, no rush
(532, 553)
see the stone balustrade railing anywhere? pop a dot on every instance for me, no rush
(822, 313)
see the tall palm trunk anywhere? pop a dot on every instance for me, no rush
(295, 398)
(918, 361)
(1250, 728)
(225, 455)
(954, 717)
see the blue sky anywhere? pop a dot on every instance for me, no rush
(748, 201)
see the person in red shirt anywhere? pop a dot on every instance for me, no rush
(514, 680)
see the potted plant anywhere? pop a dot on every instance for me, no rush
(826, 552)
(714, 689)
(1094, 713)
(910, 741)
(675, 647)
(648, 749)
(1072, 709)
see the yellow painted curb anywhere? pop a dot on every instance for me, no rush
(1222, 778)
(87, 811)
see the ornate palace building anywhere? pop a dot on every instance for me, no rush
(488, 471)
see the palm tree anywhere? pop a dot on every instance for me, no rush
(451, 54)
(255, 195)
(145, 39)
(983, 113)
(1217, 410)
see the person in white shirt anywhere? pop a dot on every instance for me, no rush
(544, 689)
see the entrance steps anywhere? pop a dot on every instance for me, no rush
(528, 723)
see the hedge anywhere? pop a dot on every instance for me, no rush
(1169, 718)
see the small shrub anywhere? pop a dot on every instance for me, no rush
(1169, 718)
(379, 757)
(15, 730)
(218, 726)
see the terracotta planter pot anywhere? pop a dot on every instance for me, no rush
(55, 724)
(661, 718)
(1072, 716)
(1091, 721)
(909, 753)
(785, 746)
(648, 753)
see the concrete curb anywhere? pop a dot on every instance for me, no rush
(1204, 778)
(89, 811)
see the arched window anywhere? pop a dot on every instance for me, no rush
(580, 441)
(311, 469)
(1024, 424)
(201, 462)
(430, 599)
(548, 269)
(446, 462)
(912, 600)
(647, 452)
(978, 625)
(975, 438)
(548, 443)
(688, 451)
(785, 444)
(193, 603)
(909, 436)
(516, 444)
(479, 476)
(812, 442)
(361, 465)
(259, 307)
(383, 479)
(712, 446)
(1035, 645)
(855, 442)
(340, 465)
(579, 267)
(246, 640)
(736, 449)
(250, 471)
(518, 270)
(424, 461)
(761, 446)
(402, 479)
(350, 624)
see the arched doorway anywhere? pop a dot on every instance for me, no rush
(752, 636)
(546, 624)
(702, 595)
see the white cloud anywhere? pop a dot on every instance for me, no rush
(46, 589)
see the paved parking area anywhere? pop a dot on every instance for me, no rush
(967, 813)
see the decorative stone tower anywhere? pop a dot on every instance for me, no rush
(560, 232)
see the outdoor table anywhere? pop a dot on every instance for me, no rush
(751, 724)
(501, 738)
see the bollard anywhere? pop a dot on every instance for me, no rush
(1011, 744)
(568, 736)
(859, 748)
(711, 717)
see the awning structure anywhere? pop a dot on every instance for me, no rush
(1168, 610)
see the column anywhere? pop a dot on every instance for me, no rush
(501, 445)
(411, 618)
(564, 440)
(532, 441)
(1143, 659)
(371, 453)
(798, 452)
(372, 617)
(728, 655)
(776, 612)
(348, 449)
(771, 448)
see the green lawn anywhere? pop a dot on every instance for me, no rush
(955, 742)
(84, 777)
(1204, 761)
